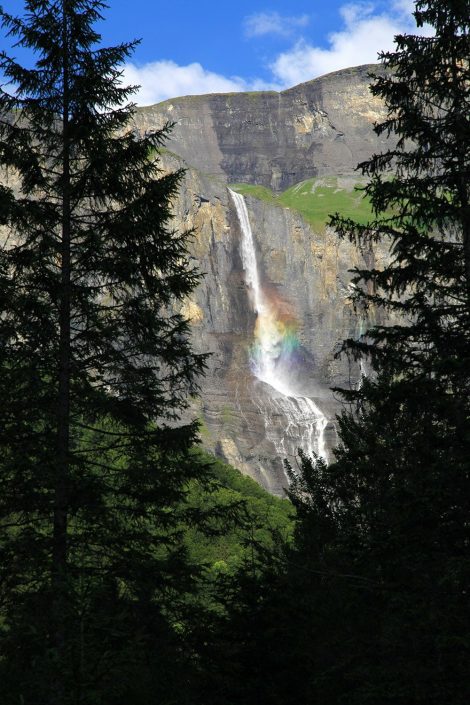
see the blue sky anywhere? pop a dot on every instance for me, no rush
(209, 46)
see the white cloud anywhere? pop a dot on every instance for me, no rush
(160, 80)
(404, 7)
(273, 23)
(363, 35)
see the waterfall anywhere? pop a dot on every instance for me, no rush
(306, 423)
(362, 373)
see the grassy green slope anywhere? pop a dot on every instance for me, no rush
(316, 199)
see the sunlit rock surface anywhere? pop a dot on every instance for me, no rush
(320, 128)
(307, 272)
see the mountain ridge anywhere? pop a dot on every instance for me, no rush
(303, 145)
(275, 139)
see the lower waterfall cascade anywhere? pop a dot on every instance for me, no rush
(275, 340)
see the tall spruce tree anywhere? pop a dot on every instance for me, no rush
(420, 193)
(386, 525)
(95, 366)
(375, 588)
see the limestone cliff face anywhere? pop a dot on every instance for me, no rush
(275, 139)
(308, 272)
(323, 127)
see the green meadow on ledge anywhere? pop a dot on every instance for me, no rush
(316, 199)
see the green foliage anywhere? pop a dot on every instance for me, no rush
(385, 525)
(114, 535)
(261, 192)
(95, 372)
(375, 586)
(316, 199)
(260, 519)
(420, 195)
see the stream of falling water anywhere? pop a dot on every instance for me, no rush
(305, 422)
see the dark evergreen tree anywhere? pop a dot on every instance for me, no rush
(370, 605)
(421, 196)
(386, 525)
(95, 368)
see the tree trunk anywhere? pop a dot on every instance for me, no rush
(59, 553)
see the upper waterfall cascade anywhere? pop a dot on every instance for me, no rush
(274, 338)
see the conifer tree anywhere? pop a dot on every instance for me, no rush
(95, 361)
(420, 193)
(384, 529)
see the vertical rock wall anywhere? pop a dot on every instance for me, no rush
(307, 271)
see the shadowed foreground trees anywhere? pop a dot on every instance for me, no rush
(394, 508)
(396, 503)
(402, 478)
(96, 367)
(371, 606)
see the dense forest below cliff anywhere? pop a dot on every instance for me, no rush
(134, 566)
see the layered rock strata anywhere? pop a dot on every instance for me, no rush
(307, 272)
(320, 127)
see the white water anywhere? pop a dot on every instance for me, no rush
(363, 373)
(306, 423)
